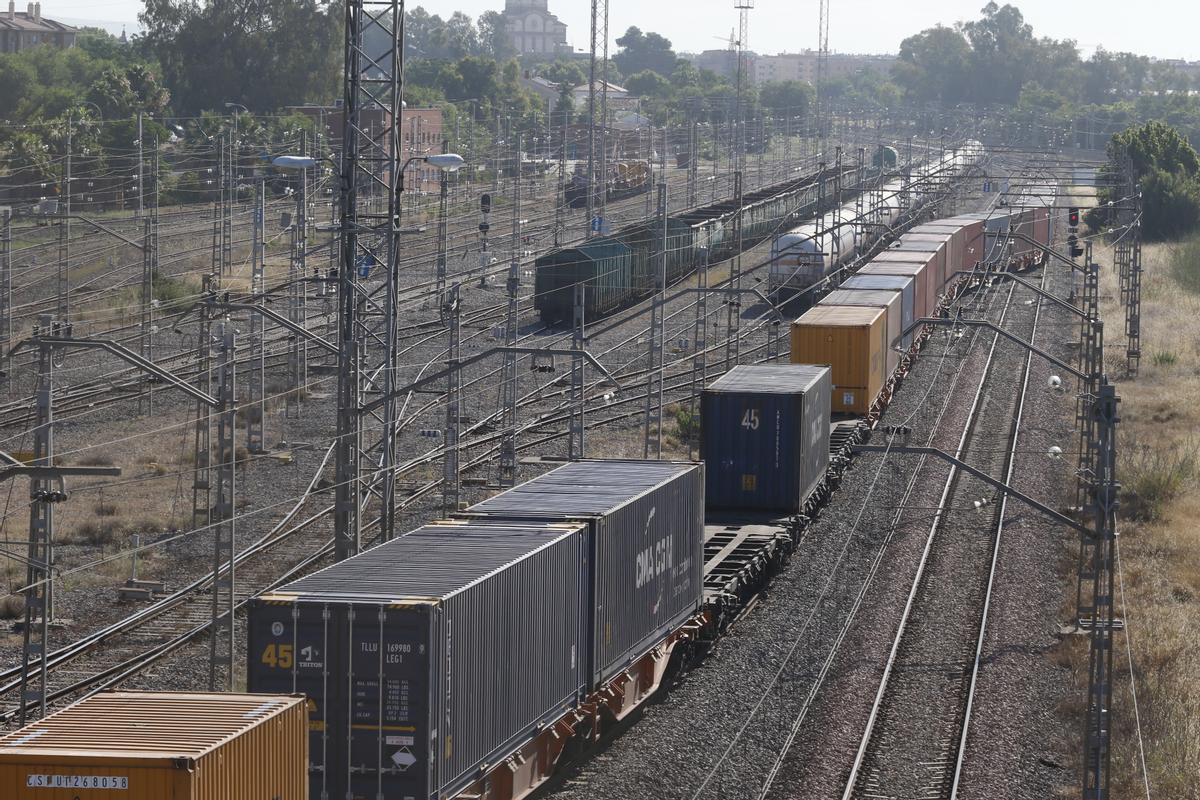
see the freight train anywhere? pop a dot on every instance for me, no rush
(622, 269)
(857, 329)
(626, 178)
(469, 657)
(808, 254)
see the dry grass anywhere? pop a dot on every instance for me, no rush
(1159, 466)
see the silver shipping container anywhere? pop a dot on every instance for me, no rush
(430, 655)
(646, 520)
(765, 436)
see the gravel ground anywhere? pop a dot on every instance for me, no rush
(1017, 748)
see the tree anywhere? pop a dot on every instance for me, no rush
(934, 65)
(1167, 169)
(648, 83)
(265, 55)
(644, 51)
(786, 98)
(563, 72)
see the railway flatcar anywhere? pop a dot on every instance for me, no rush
(459, 659)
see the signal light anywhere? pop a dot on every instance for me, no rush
(1073, 246)
(485, 204)
(1073, 217)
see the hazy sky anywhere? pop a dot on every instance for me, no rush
(1162, 28)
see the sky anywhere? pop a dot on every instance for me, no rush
(1160, 28)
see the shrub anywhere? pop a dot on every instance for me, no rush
(96, 459)
(103, 509)
(1152, 477)
(1185, 264)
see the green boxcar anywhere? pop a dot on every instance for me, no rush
(602, 265)
(645, 242)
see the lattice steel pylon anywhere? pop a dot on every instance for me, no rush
(367, 336)
(597, 169)
(743, 7)
(508, 380)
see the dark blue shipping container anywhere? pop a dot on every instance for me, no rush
(430, 655)
(646, 525)
(896, 283)
(765, 441)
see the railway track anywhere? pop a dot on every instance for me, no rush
(915, 738)
(113, 654)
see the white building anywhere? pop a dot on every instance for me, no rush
(533, 29)
(803, 66)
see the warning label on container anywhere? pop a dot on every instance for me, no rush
(77, 781)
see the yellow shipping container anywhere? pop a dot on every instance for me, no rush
(852, 340)
(161, 746)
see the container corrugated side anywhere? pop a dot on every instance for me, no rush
(903, 285)
(647, 526)
(155, 745)
(765, 450)
(852, 340)
(915, 267)
(875, 298)
(427, 683)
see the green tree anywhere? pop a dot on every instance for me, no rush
(645, 51)
(786, 98)
(648, 83)
(265, 55)
(934, 65)
(1167, 170)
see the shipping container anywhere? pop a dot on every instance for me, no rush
(852, 341)
(951, 236)
(603, 266)
(429, 655)
(903, 285)
(765, 440)
(908, 265)
(971, 235)
(646, 523)
(937, 253)
(890, 302)
(161, 746)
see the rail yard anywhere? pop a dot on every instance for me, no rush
(737, 453)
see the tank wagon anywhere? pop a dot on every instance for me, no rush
(807, 255)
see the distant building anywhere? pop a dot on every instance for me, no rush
(619, 98)
(533, 30)
(21, 30)
(725, 62)
(802, 66)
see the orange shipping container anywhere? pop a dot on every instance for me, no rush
(852, 340)
(161, 746)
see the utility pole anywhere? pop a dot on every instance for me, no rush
(256, 394)
(577, 446)
(146, 337)
(6, 322)
(508, 442)
(367, 240)
(654, 382)
(450, 472)
(297, 290)
(64, 233)
(560, 204)
(699, 341)
(39, 603)
(224, 596)
(442, 230)
(733, 309)
(202, 480)
(1100, 620)
(140, 158)
(822, 69)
